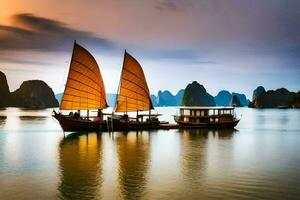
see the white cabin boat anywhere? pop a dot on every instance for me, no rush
(206, 117)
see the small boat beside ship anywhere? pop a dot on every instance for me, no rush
(206, 117)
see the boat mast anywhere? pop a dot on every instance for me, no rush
(126, 105)
(69, 68)
(100, 108)
(118, 90)
(137, 107)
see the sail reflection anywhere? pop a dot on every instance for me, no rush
(133, 157)
(81, 166)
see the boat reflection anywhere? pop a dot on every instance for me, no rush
(80, 161)
(198, 151)
(133, 156)
(2, 119)
(82, 156)
(205, 133)
(32, 118)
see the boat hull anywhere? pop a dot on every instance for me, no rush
(119, 125)
(70, 124)
(220, 125)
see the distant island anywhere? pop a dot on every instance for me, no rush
(163, 98)
(166, 98)
(37, 94)
(195, 94)
(279, 98)
(31, 94)
(225, 98)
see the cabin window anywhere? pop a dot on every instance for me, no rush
(202, 113)
(192, 112)
(186, 112)
(216, 119)
(221, 112)
(198, 112)
(185, 119)
(211, 119)
(211, 112)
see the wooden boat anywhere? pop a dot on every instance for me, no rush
(133, 96)
(206, 117)
(84, 90)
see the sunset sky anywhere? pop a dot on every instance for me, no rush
(223, 44)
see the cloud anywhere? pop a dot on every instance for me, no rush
(172, 5)
(163, 53)
(36, 33)
(26, 61)
(167, 5)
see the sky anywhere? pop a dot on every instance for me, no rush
(223, 44)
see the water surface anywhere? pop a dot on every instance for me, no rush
(258, 160)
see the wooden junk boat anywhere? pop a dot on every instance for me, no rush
(85, 90)
(206, 117)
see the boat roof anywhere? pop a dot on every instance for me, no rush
(207, 107)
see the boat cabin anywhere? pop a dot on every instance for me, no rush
(198, 115)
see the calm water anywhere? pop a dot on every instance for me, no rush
(259, 160)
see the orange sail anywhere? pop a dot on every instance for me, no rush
(133, 94)
(84, 89)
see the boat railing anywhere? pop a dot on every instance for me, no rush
(205, 116)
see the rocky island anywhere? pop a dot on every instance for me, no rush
(280, 98)
(4, 90)
(31, 94)
(235, 101)
(195, 95)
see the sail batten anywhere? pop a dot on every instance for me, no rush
(84, 88)
(133, 94)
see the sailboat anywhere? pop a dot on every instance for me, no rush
(133, 96)
(84, 90)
